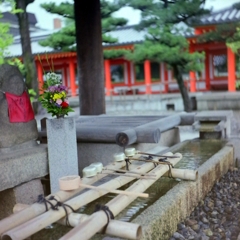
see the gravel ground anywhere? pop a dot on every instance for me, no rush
(217, 217)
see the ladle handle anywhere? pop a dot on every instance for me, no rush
(126, 171)
(156, 155)
(129, 175)
(143, 195)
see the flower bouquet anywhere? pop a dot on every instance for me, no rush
(54, 96)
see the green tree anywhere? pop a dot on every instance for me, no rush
(6, 39)
(65, 38)
(166, 25)
(234, 41)
(28, 59)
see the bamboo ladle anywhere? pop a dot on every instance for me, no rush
(73, 182)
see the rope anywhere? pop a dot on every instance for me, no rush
(65, 206)
(127, 163)
(42, 199)
(55, 207)
(150, 158)
(107, 211)
(163, 161)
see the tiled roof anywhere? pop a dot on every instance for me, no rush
(9, 17)
(16, 50)
(227, 15)
(126, 35)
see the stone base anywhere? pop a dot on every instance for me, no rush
(26, 193)
(22, 166)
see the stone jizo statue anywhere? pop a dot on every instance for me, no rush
(17, 123)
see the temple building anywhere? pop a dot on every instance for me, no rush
(122, 76)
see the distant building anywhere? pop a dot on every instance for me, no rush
(13, 20)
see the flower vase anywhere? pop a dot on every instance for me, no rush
(60, 115)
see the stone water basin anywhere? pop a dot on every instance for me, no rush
(171, 200)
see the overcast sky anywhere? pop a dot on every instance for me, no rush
(45, 20)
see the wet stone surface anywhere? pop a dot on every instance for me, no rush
(217, 217)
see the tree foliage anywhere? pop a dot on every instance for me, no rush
(65, 38)
(6, 39)
(28, 59)
(228, 33)
(234, 41)
(222, 33)
(166, 24)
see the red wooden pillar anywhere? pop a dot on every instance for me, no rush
(72, 77)
(40, 76)
(147, 76)
(231, 70)
(192, 76)
(65, 75)
(108, 82)
(166, 78)
(129, 74)
(207, 71)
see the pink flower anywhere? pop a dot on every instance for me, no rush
(59, 101)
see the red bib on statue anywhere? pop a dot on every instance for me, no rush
(19, 108)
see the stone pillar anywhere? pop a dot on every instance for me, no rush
(62, 150)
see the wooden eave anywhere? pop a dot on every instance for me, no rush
(54, 55)
(127, 47)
